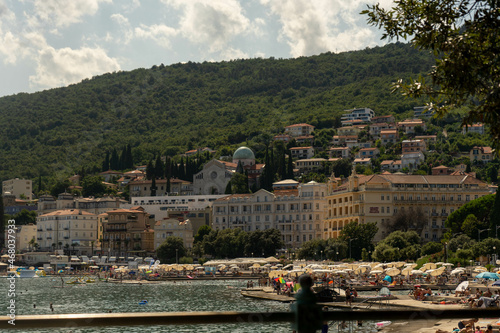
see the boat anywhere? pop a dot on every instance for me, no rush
(27, 273)
(76, 280)
(380, 325)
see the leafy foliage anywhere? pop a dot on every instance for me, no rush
(463, 36)
(171, 249)
(480, 208)
(360, 237)
(167, 110)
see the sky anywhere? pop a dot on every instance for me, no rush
(53, 43)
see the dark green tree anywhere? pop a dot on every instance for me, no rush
(289, 169)
(153, 187)
(202, 231)
(61, 186)
(93, 186)
(359, 236)
(114, 160)
(495, 216)
(159, 167)
(170, 249)
(105, 163)
(463, 36)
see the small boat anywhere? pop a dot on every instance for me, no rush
(76, 281)
(143, 302)
(380, 325)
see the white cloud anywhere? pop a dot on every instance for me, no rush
(62, 13)
(66, 66)
(231, 53)
(312, 27)
(159, 33)
(211, 22)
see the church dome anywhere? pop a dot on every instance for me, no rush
(243, 153)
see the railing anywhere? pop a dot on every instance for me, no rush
(23, 322)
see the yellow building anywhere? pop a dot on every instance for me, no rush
(379, 198)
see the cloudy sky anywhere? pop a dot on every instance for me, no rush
(52, 43)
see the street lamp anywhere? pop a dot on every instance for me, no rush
(337, 256)
(350, 239)
(321, 255)
(177, 256)
(494, 255)
(496, 230)
(479, 234)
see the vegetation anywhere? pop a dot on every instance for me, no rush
(166, 110)
(463, 36)
(171, 250)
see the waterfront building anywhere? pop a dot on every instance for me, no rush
(173, 227)
(127, 231)
(296, 213)
(23, 236)
(73, 229)
(378, 198)
(21, 188)
(296, 130)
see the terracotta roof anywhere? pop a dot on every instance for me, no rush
(65, 212)
(229, 197)
(386, 162)
(229, 164)
(299, 125)
(389, 130)
(298, 148)
(281, 193)
(124, 210)
(441, 167)
(367, 149)
(485, 150)
(339, 148)
(305, 137)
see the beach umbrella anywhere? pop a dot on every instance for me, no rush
(480, 269)
(430, 265)
(392, 272)
(496, 283)
(406, 271)
(376, 271)
(411, 265)
(256, 265)
(462, 286)
(457, 271)
(416, 272)
(488, 275)
(388, 278)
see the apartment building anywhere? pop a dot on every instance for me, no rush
(408, 126)
(340, 152)
(389, 136)
(413, 146)
(65, 201)
(296, 130)
(302, 152)
(312, 164)
(368, 153)
(378, 198)
(23, 236)
(127, 231)
(173, 227)
(142, 188)
(361, 114)
(21, 188)
(296, 213)
(73, 229)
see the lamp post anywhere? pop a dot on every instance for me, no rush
(494, 255)
(496, 230)
(337, 256)
(177, 256)
(321, 255)
(350, 239)
(479, 234)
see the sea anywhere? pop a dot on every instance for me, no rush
(34, 295)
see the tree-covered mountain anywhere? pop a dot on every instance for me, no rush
(170, 109)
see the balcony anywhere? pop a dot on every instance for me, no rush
(434, 214)
(116, 230)
(39, 229)
(444, 214)
(66, 228)
(66, 237)
(39, 238)
(49, 237)
(49, 229)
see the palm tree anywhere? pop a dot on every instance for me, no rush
(60, 245)
(36, 246)
(53, 246)
(32, 243)
(73, 245)
(66, 247)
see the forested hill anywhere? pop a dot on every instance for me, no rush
(168, 109)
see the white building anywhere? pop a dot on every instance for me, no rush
(172, 227)
(24, 234)
(296, 130)
(47, 203)
(67, 227)
(362, 114)
(296, 213)
(18, 187)
(412, 160)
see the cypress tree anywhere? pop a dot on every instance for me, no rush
(123, 157)
(228, 188)
(114, 160)
(150, 171)
(495, 215)
(129, 160)
(290, 166)
(105, 163)
(182, 170)
(168, 185)
(159, 168)
(153, 186)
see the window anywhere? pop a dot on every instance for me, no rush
(382, 197)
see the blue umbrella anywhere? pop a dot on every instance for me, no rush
(388, 278)
(496, 284)
(487, 275)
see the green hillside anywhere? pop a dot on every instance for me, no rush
(169, 109)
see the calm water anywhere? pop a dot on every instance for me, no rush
(164, 296)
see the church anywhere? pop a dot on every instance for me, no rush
(216, 174)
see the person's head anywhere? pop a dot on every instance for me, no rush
(490, 328)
